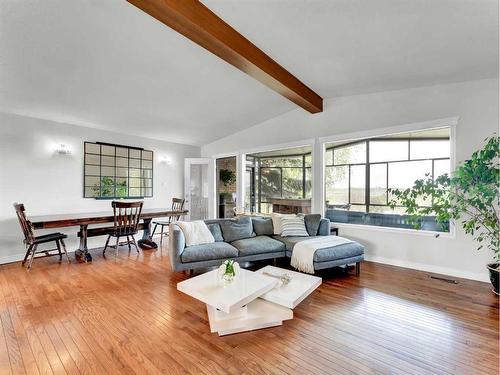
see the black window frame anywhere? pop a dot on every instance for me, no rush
(141, 168)
(256, 164)
(368, 165)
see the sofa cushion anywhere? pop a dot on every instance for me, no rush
(347, 250)
(233, 230)
(291, 241)
(196, 232)
(216, 231)
(216, 250)
(312, 223)
(262, 226)
(258, 245)
(277, 218)
(293, 226)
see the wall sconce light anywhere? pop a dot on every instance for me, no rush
(62, 149)
(164, 159)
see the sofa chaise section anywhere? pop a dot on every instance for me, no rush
(348, 253)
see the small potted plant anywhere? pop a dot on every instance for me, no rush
(227, 177)
(228, 271)
(469, 195)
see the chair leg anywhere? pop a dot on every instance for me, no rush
(128, 243)
(161, 238)
(135, 243)
(59, 249)
(33, 250)
(358, 268)
(28, 251)
(64, 249)
(154, 230)
(106, 246)
(117, 244)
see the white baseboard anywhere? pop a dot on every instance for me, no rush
(430, 268)
(11, 258)
(17, 258)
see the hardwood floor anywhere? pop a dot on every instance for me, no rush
(125, 316)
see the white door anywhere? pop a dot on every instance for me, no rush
(198, 188)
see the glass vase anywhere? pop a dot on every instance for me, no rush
(226, 279)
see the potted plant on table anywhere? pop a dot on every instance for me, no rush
(470, 194)
(227, 272)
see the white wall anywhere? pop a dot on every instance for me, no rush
(49, 183)
(475, 102)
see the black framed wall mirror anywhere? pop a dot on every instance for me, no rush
(117, 171)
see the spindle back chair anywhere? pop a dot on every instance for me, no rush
(31, 241)
(177, 205)
(126, 223)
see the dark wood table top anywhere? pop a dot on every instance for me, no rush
(70, 220)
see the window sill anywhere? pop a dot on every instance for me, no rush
(426, 233)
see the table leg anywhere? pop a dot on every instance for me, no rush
(146, 242)
(82, 254)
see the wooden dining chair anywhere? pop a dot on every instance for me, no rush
(32, 242)
(177, 205)
(126, 224)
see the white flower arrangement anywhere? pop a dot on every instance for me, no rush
(228, 271)
(229, 267)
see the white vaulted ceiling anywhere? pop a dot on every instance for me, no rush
(106, 64)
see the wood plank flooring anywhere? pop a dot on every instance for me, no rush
(125, 316)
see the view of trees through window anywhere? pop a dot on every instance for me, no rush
(359, 174)
(284, 176)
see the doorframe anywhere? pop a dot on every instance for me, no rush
(240, 180)
(210, 183)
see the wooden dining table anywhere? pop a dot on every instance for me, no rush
(84, 220)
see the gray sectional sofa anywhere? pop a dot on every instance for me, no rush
(250, 239)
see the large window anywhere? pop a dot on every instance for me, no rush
(114, 171)
(358, 176)
(271, 177)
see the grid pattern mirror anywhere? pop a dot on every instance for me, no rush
(115, 171)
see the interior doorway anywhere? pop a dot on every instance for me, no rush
(225, 186)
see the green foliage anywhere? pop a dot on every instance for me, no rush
(227, 177)
(107, 188)
(469, 195)
(230, 267)
(283, 177)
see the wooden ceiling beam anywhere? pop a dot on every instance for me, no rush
(198, 23)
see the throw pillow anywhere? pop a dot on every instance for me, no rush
(293, 226)
(216, 231)
(277, 222)
(262, 226)
(233, 230)
(195, 232)
(312, 223)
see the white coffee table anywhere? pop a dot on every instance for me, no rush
(290, 295)
(238, 308)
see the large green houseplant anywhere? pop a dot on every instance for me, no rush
(468, 196)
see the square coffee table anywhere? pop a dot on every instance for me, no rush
(238, 308)
(290, 295)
